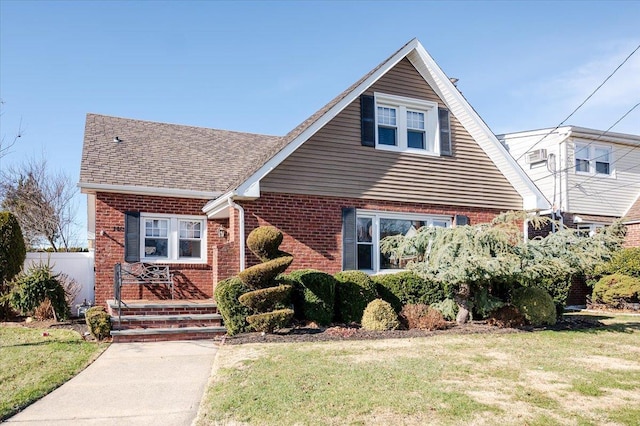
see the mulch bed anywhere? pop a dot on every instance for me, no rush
(337, 333)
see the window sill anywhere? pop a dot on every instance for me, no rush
(407, 150)
(174, 261)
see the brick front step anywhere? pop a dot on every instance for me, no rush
(167, 321)
(185, 307)
(166, 334)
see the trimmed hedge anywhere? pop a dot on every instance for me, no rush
(263, 274)
(265, 298)
(314, 296)
(405, 288)
(354, 291)
(233, 312)
(380, 315)
(269, 321)
(615, 289)
(99, 322)
(536, 305)
(264, 242)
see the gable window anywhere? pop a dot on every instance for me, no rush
(372, 227)
(406, 124)
(170, 238)
(592, 159)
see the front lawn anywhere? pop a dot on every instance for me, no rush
(583, 377)
(32, 365)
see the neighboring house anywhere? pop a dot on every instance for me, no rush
(398, 150)
(590, 176)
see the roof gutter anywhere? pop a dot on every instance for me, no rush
(92, 188)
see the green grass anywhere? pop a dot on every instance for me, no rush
(32, 365)
(540, 378)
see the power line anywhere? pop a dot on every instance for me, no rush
(583, 102)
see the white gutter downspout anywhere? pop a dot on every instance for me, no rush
(242, 243)
(525, 230)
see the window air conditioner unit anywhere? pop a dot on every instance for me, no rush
(536, 156)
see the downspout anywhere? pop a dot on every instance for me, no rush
(242, 243)
(525, 230)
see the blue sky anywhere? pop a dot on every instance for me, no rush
(264, 67)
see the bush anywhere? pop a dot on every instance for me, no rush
(12, 255)
(448, 308)
(354, 291)
(422, 317)
(625, 261)
(380, 315)
(315, 295)
(558, 289)
(99, 322)
(264, 242)
(406, 287)
(507, 316)
(269, 321)
(485, 303)
(32, 288)
(615, 289)
(266, 298)
(233, 312)
(536, 305)
(263, 274)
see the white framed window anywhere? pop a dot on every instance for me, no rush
(172, 238)
(373, 226)
(406, 124)
(593, 159)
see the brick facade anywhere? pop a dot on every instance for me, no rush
(312, 225)
(632, 239)
(192, 281)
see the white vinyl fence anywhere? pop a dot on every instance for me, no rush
(78, 266)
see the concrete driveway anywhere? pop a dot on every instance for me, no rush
(130, 384)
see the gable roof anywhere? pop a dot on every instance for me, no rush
(633, 214)
(165, 159)
(533, 199)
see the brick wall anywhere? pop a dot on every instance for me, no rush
(312, 225)
(191, 281)
(632, 239)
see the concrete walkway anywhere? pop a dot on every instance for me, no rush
(130, 384)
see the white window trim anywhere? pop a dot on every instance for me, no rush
(592, 160)
(174, 238)
(591, 227)
(402, 104)
(376, 215)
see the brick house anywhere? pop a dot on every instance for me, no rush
(399, 149)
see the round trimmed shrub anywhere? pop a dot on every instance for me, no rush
(314, 296)
(234, 313)
(99, 322)
(536, 305)
(380, 315)
(264, 242)
(354, 291)
(269, 321)
(615, 289)
(266, 298)
(406, 287)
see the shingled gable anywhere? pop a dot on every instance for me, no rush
(163, 159)
(633, 214)
(249, 186)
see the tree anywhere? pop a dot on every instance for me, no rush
(42, 202)
(5, 145)
(470, 260)
(12, 255)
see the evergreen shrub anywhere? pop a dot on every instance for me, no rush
(354, 291)
(615, 289)
(263, 299)
(31, 288)
(625, 261)
(99, 322)
(262, 275)
(536, 305)
(12, 255)
(269, 321)
(448, 308)
(314, 295)
(233, 312)
(406, 287)
(380, 315)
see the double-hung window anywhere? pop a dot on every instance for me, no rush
(406, 124)
(593, 159)
(372, 227)
(171, 238)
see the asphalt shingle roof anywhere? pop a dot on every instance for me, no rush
(171, 156)
(634, 212)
